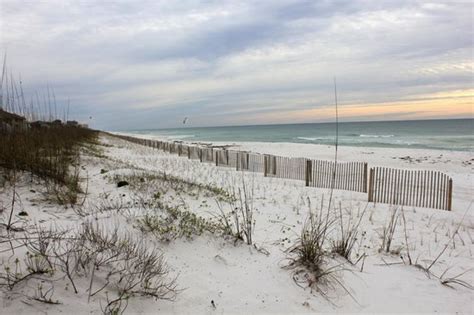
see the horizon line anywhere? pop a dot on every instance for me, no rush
(305, 123)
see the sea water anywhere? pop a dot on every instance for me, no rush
(452, 134)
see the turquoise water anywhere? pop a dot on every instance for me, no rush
(454, 134)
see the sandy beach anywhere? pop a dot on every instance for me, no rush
(217, 274)
(236, 157)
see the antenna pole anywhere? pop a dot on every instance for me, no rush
(333, 181)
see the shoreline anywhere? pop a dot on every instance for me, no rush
(426, 134)
(256, 146)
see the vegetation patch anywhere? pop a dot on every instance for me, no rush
(98, 260)
(50, 154)
(165, 182)
(174, 223)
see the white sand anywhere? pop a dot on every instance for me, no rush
(241, 279)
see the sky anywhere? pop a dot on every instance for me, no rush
(148, 64)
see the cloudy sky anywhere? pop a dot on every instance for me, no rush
(149, 64)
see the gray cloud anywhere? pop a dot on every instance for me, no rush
(147, 64)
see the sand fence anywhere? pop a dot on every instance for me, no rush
(428, 189)
(420, 188)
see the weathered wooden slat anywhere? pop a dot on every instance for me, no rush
(376, 184)
(404, 187)
(441, 188)
(371, 185)
(438, 189)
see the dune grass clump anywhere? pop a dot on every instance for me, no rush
(388, 231)
(310, 250)
(311, 259)
(50, 154)
(95, 260)
(239, 222)
(348, 234)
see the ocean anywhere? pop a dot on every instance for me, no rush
(452, 134)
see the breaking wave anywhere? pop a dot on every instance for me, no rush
(376, 136)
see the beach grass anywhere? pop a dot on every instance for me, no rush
(49, 154)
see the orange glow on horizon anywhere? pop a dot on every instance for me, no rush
(439, 105)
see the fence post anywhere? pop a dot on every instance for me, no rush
(189, 152)
(217, 158)
(371, 184)
(274, 165)
(200, 155)
(365, 178)
(309, 171)
(265, 165)
(450, 194)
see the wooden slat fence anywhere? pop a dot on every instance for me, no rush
(255, 162)
(351, 176)
(269, 165)
(174, 148)
(243, 161)
(224, 158)
(207, 155)
(183, 150)
(233, 158)
(428, 189)
(285, 167)
(194, 153)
